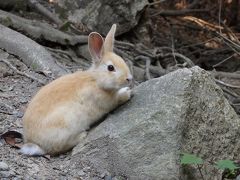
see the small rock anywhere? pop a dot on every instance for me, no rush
(24, 101)
(18, 114)
(5, 174)
(108, 178)
(3, 166)
(63, 173)
(118, 178)
(81, 173)
(1, 141)
(12, 173)
(11, 88)
(6, 74)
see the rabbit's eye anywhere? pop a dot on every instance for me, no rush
(111, 68)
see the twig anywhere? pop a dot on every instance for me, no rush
(121, 43)
(173, 44)
(186, 59)
(223, 61)
(230, 43)
(219, 15)
(225, 74)
(199, 169)
(202, 23)
(197, 44)
(193, 4)
(45, 12)
(68, 55)
(21, 73)
(233, 94)
(154, 70)
(156, 2)
(158, 54)
(182, 12)
(226, 84)
(132, 47)
(148, 62)
(172, 39)
(147, 65)
(159, 65)
(205, 25)
(157, 70)
(5, 112)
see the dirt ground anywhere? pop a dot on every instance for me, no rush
(15, 92)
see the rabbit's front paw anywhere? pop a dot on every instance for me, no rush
(124, 94)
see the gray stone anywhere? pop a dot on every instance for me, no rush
(184, 111)
(5, 174)
(81, 173)
(3, 166)
(99, 15)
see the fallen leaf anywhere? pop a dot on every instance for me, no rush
(47, 156)
(11, 137)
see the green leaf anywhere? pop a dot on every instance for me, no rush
(226, 164)
(190, 159)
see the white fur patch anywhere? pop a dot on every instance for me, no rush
(123, 90)
(32, 150)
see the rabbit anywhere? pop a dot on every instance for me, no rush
(60, 114)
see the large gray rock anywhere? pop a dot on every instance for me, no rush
(99, 15)
(184, 111)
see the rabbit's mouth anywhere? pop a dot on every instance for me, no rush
(127, 83)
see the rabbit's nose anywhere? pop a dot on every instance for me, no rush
(129, 78)
(130, 81)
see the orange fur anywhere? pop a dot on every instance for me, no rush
(64, 109)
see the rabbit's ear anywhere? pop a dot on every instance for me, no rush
(95, 46)
(109, 40)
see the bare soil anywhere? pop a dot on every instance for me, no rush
(15, 93)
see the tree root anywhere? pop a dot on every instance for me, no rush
(21, 73)
(31, 53)
(35, 4)
(37, 30)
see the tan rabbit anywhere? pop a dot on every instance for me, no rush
(61, 112)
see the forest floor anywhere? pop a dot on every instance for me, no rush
(15, 92)
(202, 46)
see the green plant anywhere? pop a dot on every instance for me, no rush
(231, 171)
(189, 159)
(226, 165)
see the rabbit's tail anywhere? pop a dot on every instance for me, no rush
(31, 149)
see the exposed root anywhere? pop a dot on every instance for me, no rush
(21, 73)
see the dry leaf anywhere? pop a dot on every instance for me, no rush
(11, 137)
